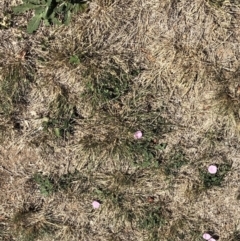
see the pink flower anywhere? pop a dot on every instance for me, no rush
(206, 236)
(212, 169)
(138, 135)
(96, 204)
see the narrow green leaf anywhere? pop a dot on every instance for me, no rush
(44, 14)
(67, 18)
(34, 1)
(57, 132)
(33, 24)
(70, 6)
(24, 7)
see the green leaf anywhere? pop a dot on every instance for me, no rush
(46, 22)
(39, 10)
(57, 132)
(55, 21)
(24, 7)
(74, 59)
(59, 9)
(67, 18)
(34, 1)
(83, 6)
(99, 192)
(70, 6)
(150, 156)
(34, 23)
(49, 2)
(80, 7)
(145, 164)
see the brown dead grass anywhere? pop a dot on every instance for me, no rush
(188, 54)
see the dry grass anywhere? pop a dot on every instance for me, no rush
(72, 97)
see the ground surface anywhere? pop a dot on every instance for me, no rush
(72, 97)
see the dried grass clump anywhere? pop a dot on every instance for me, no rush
(72, 99)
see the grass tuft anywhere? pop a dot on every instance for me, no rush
(173, 164)
(152, 219)
(71, 99)
(32, 225)
(61, 117)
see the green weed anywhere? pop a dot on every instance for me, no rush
(49, 185)
(210, 180)
(108, 88)
(74, 60)
(175, 162)
(147, 152)
(49, 11)
(46, 184)
(151, 221)
(61, 117)
(112, 96)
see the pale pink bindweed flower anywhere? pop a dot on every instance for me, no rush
(206, 236)
(138, 135)
(96, 204)
(212, 169)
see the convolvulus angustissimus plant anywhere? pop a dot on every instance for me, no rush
(50, 11)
